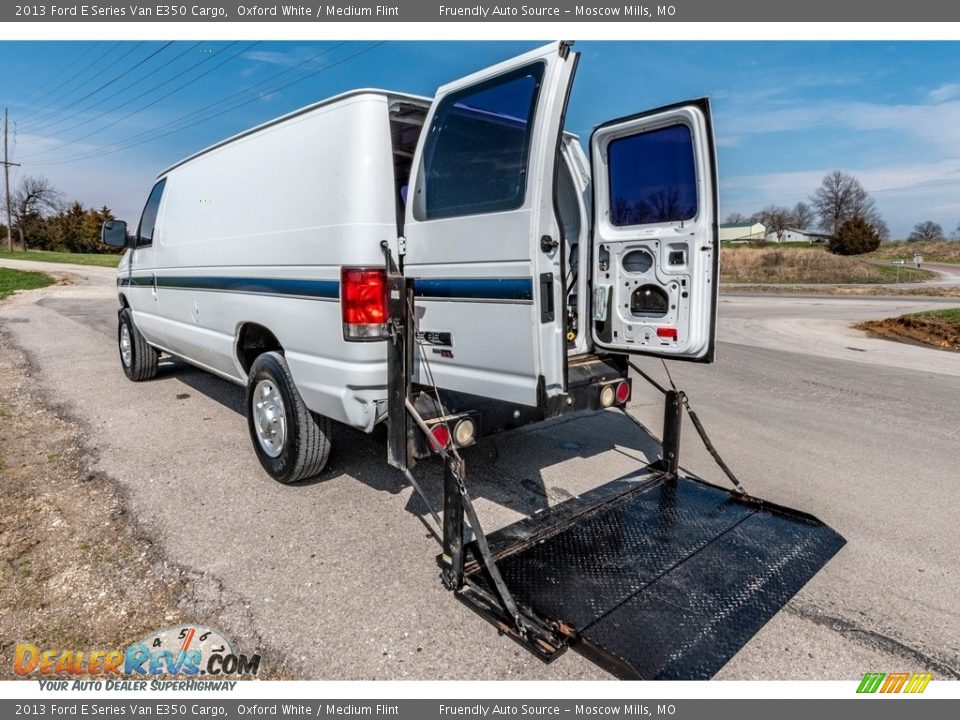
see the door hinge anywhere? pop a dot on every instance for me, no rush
(548, 244)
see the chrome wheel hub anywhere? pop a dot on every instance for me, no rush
(269, 418)
(126, 347)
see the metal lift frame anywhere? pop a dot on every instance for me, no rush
(471, 570)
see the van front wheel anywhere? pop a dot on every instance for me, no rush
(138, 359)
(291, 442)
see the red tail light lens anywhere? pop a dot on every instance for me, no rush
(363, 303)
(623, 392)
(667, 332)
(440, 436)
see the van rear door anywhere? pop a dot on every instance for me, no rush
(655, 236)
(482, 237)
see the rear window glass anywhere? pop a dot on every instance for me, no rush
(653, 178)
(475, 159)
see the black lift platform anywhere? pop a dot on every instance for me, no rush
(656, 577)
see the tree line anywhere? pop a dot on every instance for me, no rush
(43, 220)
(842, 209)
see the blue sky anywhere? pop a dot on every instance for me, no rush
(786, 113)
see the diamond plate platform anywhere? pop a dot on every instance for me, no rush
(652, 577)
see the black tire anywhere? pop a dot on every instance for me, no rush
(142, 359)
(305, 447)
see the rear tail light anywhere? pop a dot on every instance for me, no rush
(439, 437)
(667, 333)
(623, 392)
(451, 431)
(363, 303)
(607, 396)
(465, 432)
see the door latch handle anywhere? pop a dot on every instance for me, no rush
(548, 244)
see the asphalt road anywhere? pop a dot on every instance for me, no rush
(949, 273)
(339, 574)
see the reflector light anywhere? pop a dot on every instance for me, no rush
(667, 332)
(363, 303)
(607, 396)
(465, 432)
(623, 392)
(440, 437)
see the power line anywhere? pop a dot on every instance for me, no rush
(145, 92)
(177, 89)
(71, 79)
(102, 87)
(6, 174)
(69, 66)
(135, 140)
(153, 102)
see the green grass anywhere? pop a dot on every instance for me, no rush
(907, 274)
(791, 244)
(103, 260)
(13, 280)
(948, 315)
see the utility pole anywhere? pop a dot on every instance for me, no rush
(6, 177)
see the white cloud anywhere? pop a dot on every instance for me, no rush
(935, 125)
(905, 194)
(947, 91)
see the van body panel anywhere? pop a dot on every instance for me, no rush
(481, 201)
(255, 230)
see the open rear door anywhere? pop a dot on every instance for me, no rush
(482, 237)
(655, 240)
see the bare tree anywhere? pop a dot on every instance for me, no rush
(840, 197)
(736, 218)
(955, 235)
(926, 230)
(776, 218)
(802, 216)
(33, 197)
(620, 211)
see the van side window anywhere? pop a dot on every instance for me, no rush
(475, 157)
(653, 177)
(149, 217)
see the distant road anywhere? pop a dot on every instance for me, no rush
(949, 272)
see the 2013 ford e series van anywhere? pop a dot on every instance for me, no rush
(535, 269)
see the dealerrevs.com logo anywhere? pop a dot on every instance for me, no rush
(190, 650)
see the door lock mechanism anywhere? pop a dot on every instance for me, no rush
(548, 244)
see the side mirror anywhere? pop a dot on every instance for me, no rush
(114, 233)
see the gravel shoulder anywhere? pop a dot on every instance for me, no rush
(77, 571)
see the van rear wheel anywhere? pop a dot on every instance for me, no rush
(292, 443)
(138, 358)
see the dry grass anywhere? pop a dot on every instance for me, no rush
(943, 251)
(915, 290)
(796, 265)
(939, 328)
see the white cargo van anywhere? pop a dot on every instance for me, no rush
(534, 270)
(455, 267)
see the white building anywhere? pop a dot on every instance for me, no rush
(742, 232)
(794, 235)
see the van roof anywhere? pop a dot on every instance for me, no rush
(389, 94)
